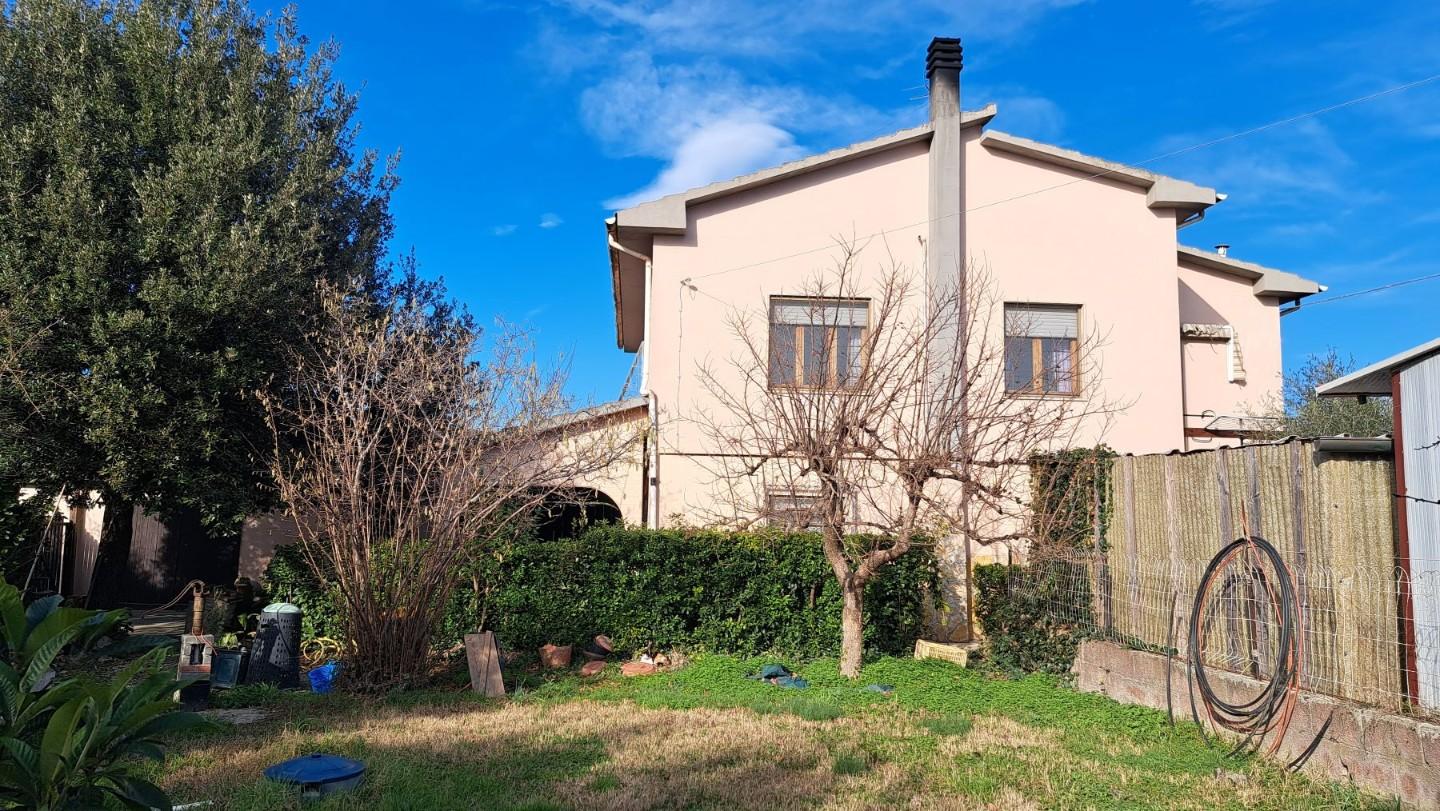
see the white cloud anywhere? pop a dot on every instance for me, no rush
(649, 108)
(771, 30)
(1299, 231)
(716, 88)
(1427, 218)
(707, 123)
(723, 148)
(503, 230)
(550, 220)
(1288, 166)
(1224, 14)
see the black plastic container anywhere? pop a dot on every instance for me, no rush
(275, 656)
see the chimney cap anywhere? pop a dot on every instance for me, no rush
(1223, 249)
(944, 54)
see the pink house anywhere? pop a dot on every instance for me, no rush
(1192, 336)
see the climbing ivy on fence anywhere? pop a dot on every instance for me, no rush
(1033, 616)
(1066, 489)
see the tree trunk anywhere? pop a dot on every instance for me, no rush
(112, 560)
(852, 628)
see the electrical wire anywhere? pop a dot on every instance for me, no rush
(1352, 294)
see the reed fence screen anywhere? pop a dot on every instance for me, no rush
(1330, 516)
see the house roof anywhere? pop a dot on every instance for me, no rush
(595, 412)
(1267, 281)
(1374, 380)
(667, 214)
(636, 226)
(1161, 191)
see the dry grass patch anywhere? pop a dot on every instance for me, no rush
(708, 738)
(725, 758)
(998, 732)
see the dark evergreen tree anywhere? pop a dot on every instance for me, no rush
(175, 179)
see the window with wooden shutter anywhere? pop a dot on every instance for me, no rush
(1042, 344)
(817, 343)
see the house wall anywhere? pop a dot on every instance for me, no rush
(1209, 297)
(624, 479)
(1093, 243)
(259, 538)
(691, 329)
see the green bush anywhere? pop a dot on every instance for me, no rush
(1025, 614)
(22, 528)
(743, 593)
(290, 578)
(70, 742)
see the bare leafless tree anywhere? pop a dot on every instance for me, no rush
(402, 440)
(899, 422)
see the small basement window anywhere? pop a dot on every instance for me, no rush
(792, 511)
(1042, 345)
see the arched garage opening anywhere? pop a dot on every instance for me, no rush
(570, 511)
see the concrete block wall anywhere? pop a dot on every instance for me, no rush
(1380, 752)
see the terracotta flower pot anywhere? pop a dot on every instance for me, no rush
(637, 669)
(555, 656)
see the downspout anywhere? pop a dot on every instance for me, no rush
(652, 477)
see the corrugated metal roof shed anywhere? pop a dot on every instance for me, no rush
(1412, 379)
(1374, 380)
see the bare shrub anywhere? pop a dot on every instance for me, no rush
(402, 441)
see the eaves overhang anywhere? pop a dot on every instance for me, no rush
(668, 215)
(1161, 191)
(1280, 284)
(636, 227)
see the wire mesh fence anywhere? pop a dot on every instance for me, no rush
(1350, 645)
(1357, 635)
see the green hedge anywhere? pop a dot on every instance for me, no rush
(743, 593)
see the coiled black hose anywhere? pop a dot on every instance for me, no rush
(1254, 564)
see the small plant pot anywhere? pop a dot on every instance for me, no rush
(554, 657)
(226, 667)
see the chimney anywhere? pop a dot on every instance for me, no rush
(944, 248)
(1222, 249)
(942, 71)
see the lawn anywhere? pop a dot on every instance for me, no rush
(706, 737)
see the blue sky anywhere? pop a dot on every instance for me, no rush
(522, 126)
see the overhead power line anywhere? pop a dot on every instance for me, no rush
(1352, 294)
